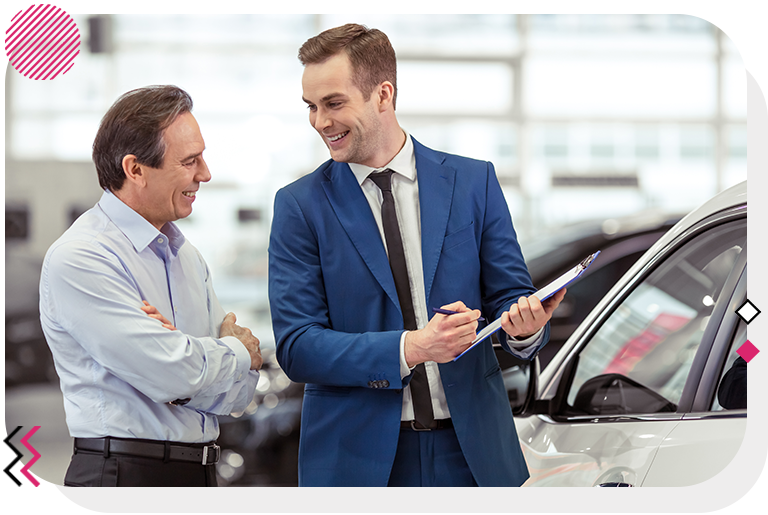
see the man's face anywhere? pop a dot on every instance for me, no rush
(172, 188)
(348, 123)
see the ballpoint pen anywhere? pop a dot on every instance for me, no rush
(449, 312)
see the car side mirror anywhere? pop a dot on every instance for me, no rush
(521, 381)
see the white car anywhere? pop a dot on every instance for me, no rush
(637, 396)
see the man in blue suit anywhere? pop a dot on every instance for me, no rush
(356, 261)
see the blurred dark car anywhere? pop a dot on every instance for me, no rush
(261, 445)
(27, 356)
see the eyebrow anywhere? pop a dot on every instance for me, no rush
(326, 97)
(191, 156)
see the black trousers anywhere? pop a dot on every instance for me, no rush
(93, 469)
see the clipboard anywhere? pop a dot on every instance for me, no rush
(543, 294)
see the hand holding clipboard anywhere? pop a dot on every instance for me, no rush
(543, 294)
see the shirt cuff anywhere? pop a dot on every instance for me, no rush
(526, 347)
(242, 356)
(404, 369)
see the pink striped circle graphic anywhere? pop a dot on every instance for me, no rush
(42, 42)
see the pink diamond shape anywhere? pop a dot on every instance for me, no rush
(747, 351)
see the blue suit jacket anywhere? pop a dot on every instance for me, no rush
(337, 319)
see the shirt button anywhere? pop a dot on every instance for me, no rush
(159, 240)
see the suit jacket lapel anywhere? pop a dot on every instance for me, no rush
(354, 214)
(436, 188)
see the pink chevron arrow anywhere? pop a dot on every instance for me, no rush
(23, 470)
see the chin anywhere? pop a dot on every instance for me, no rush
(342, 157)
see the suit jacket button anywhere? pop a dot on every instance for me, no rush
(384, 383)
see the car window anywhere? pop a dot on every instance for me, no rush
(732, 386)
(584, 295)
(639, 359)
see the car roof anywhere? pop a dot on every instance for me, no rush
(732, 197)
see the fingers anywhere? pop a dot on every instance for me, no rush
(147, 308)
(256, 358)
(554, 301)
(152, 312)
(445, 337)
(457, 326)
(246, 337)
(526, 316)
(228, 324)
(456, 306)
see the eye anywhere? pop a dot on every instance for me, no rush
(334, 105)
(312, 108)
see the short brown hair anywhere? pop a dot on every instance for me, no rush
(369, 50)
(135, 125)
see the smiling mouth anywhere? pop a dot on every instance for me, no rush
(337, 137)
(190, 194)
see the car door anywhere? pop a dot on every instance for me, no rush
(631, 377)
(710, 435)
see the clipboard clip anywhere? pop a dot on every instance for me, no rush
(588, 261)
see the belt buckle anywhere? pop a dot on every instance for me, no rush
(205, 454)
(413, 426)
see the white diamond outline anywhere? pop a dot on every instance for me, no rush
(748, 303)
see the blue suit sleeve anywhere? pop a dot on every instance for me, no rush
(505, 276)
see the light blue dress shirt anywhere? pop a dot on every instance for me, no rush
(119, 368)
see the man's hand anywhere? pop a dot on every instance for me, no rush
(444, 337)
(529, 315)
(230, 328)
(154, 313)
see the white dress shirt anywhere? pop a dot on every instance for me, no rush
(405, 189)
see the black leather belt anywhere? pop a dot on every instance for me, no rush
(203, 453)
(412, 425)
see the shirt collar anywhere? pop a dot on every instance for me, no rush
(403, 163)
(135, 227)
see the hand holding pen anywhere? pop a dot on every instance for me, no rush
(443, 311)
(444, 337)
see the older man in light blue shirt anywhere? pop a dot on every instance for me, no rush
(144, 351)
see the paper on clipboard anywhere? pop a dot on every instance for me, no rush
(543, 294)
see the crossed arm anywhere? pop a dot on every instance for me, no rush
(228, 328)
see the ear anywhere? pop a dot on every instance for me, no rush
(386, 93)
(134, 172)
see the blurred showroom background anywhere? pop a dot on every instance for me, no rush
(585, 117)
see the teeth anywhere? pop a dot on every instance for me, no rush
(188, 194)
(338, 136)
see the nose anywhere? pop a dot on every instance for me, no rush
(203, 174)
(321, 120)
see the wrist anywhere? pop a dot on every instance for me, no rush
(411, 350)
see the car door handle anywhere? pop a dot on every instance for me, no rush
(613, 484)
